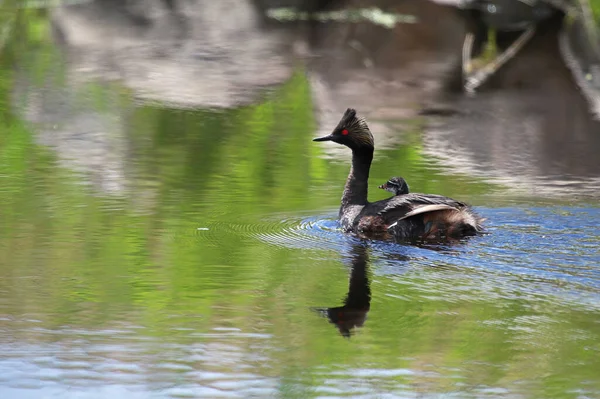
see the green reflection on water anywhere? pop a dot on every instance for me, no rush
(73, 256)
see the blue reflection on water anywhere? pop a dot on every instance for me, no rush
(537, 251)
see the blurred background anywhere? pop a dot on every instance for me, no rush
(169, 230)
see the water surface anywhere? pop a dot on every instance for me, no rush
(152, 251)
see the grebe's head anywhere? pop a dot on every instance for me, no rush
(352, 131)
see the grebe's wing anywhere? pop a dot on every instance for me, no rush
(404, 206)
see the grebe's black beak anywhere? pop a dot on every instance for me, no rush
(324, 138)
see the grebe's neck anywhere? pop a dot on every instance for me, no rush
(356, 189)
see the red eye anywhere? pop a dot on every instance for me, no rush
(345, 132)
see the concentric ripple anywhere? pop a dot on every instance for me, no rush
(310, 233)
(544, 251)
(314, 232)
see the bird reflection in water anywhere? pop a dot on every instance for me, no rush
(353, 313)
(358, 301)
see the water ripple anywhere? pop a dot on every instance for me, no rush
(94, 368)
(310, 233)
(543, 253)
(549, 252)
(320, 232)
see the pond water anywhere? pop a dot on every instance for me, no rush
(150, 251)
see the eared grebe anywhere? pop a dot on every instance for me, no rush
(406, 217)
(396, 185)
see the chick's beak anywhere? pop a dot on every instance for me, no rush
(383, 186)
